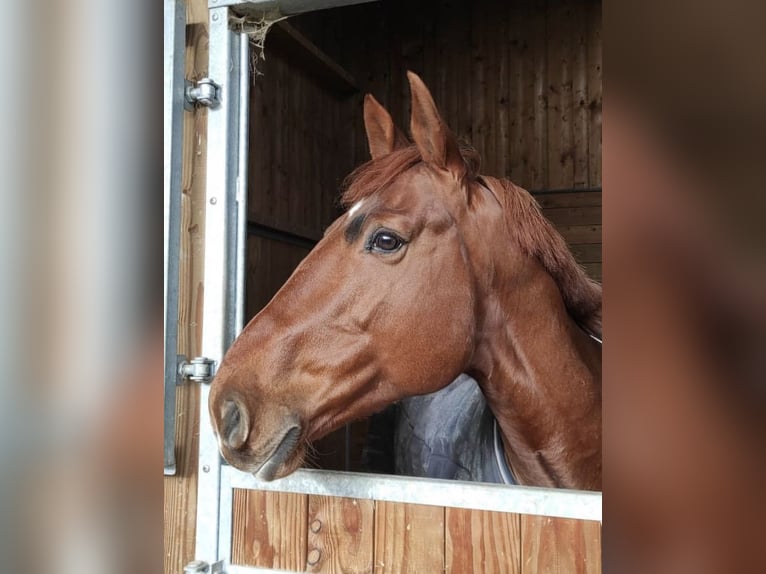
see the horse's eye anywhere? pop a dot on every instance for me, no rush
(386, 242)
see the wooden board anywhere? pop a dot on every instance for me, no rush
(576, 215)
(568, 199)
(560, 545)
(519, 80)
(340, 535)
(482, 541)
(409, 538)
(180, 491)
(594, 90)
(559, 95)
(587, 252)
(343, 535)
(300, 148)
(574, 234)
(269, 529)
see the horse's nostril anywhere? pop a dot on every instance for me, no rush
(235, 423)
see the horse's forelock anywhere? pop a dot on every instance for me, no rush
(376, 174)
(538, 238)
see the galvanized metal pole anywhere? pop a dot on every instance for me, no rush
(175, 21)
(244, 108)
(220, 259)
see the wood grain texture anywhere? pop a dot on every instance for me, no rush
(409, 538)
(575, 234)
(578, 199)
(587, 252)
(269, 529)
(559, 94)
(180, 491)
(580, 108)
(520, 80)
(482, 541)
(575, 215)
(594, 90)
(560, 545)
(340, 535)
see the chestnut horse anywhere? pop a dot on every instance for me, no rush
(434, 271)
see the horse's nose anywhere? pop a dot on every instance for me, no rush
(235, 423)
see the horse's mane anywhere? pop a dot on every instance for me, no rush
(526, 224)
(538, 238)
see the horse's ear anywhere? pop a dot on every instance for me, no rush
(383, 136)
(436, 143)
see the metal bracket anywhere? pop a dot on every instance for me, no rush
(198, 370)
(202, 567)
(205, 93)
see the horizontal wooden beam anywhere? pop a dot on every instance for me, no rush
(286, 7)
(291, 44)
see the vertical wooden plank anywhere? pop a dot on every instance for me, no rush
(257, 184)
(261, 152)
(460, 80)
(478, 82)
(594, 92)
(433, 67)
(560, 545)
(409, 538)
(580, 118)
(397, 81)
(535, 111)
(501, 78)
(482, 541)
(340, 535)
(285, 195)
(560, 51)
(518, 107)
(449, 33)
(296, 85)
(269, 529)
(180, 491)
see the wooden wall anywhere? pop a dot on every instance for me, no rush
(520, 80)
(307, 533)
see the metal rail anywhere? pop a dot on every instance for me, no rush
(555, 502)
(174, 24)
(242, 225)
(220, 274)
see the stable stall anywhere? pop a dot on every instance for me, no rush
(520, 81)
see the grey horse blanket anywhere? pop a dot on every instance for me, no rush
(450, 434)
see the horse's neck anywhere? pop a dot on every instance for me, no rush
(541, 375)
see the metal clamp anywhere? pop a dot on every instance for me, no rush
(202, 567)
(198, 370)
(205, 93)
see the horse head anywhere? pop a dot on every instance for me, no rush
(396, 299)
